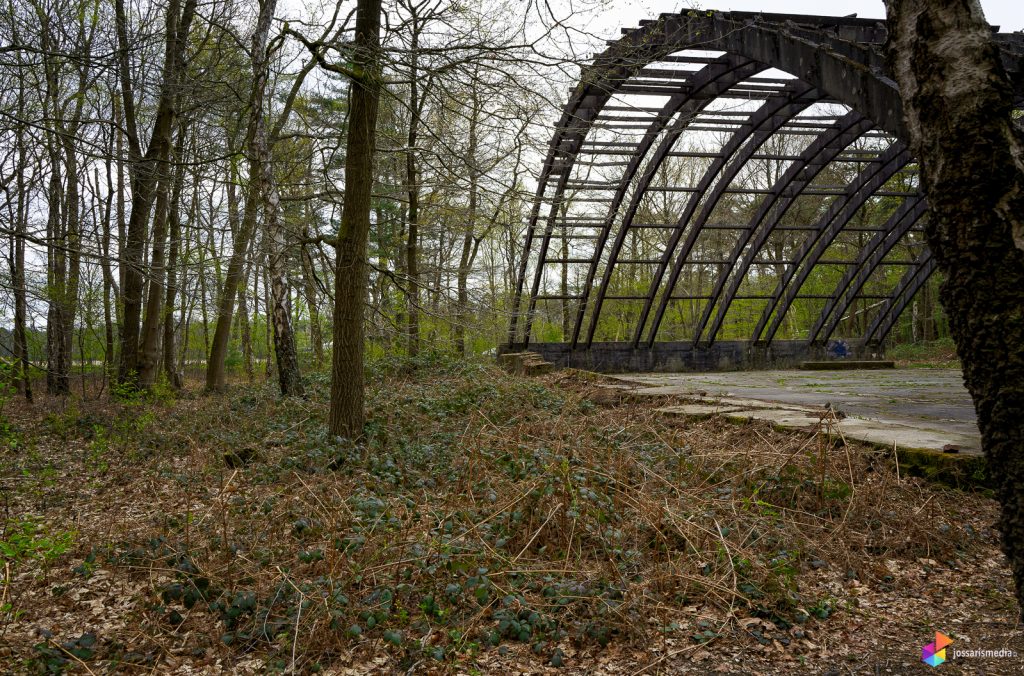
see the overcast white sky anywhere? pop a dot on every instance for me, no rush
(1007, 14)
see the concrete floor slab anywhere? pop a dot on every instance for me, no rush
(698, 410)
(913, 408)
(783, 417)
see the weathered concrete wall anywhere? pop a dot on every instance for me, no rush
(676, 357)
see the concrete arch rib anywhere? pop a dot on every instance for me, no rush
(838, 59)
(867, 183)
(598, 82)
(774, 117)
(828, 53)
(701, 89)
(561, 153)
(764, 38)
(774, 113)
(869, 259)
(816, 157)
(905, 291)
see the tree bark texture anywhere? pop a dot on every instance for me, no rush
(174, 377)
(149, 350)
(412, 243)
(957, 102)
(17, 260)
(309, 292)
(288, 375)
(243, 233)
(347, 416)
(146, 169)
(468, 237)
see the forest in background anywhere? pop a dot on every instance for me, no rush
(173, 176)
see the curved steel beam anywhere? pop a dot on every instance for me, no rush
(740, 34)
(562, 150)
(703, 88)
(905, 291)
(768, 113)
(868, 260)
(800, 100)
(869, 181)
(825, 148)
(820, 58)
(569, 147)
(840, 56)
(598, 82)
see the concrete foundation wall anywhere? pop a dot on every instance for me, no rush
(725, 355)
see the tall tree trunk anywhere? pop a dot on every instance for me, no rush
(149, 350)
(203, 291)
(268, 333)
(255, 134)
(145, 169)
(67, 291)
(462, 302)
(56, 269)
(309, 291)
(246, 329)
(174, 376)
(413, 187)
(107, 270)
(122, 224)
(400, 335)
(288, 375)
(346, 417)
(65, 230)
(242, 244)
(56, 272)
(17, 254)
(465, 259)
(958, 107)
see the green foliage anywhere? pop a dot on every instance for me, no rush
(27, 539)
(127, 392)
(10, 438)
(57, 658)
(939, 353)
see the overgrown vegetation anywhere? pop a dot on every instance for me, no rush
(939, 353)
(484, 517)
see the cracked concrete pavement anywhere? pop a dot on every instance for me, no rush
(918, 408)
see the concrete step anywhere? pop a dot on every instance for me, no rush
(525, 363)
(847, 364)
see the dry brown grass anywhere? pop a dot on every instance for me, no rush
(546, 517)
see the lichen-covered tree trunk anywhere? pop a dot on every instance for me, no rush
(288, 375)
(346, 417)
(309, 291)
(958, 107)
(246, 329)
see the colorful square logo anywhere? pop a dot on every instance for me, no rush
(934, 654)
